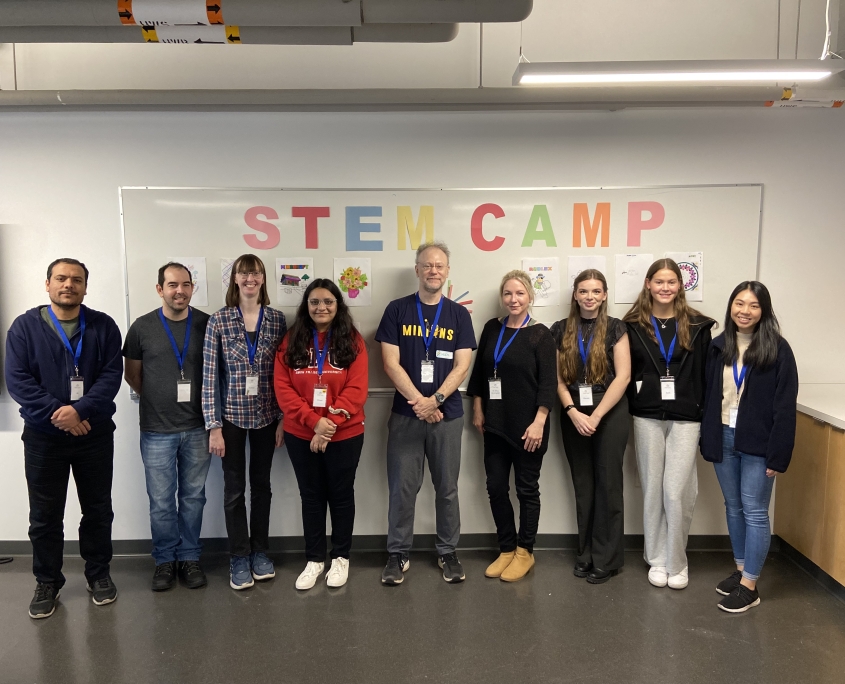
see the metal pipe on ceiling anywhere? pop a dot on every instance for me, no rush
(458, 11)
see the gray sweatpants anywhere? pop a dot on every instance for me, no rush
(666, 453)
(409, 442)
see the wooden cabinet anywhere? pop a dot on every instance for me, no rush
(810, 496)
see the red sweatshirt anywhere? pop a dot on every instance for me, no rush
(347, 390)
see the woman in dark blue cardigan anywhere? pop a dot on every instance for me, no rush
(748, 429)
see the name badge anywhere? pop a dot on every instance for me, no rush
(585, 395)
(252, 385)
(183, 391)
(321, 393)
(442, 354)
(732, 417)
(495, 385)
(667, 388)
(77, 388)
(427, 372)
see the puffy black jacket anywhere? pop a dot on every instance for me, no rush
(647, 368)
(765, 424)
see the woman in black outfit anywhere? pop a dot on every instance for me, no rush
(594, 368)
(513, 385)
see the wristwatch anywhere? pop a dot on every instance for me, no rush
(439, 398)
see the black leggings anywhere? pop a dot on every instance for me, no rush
(499, 456)
(596, 466)
(326, 478)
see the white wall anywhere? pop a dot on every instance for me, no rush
(59, 175)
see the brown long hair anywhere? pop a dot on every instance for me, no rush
(641, 311)
(597, 366)
(246, 263)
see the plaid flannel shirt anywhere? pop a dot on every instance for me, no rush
(226, 365)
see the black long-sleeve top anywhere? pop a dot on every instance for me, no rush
(528, 374)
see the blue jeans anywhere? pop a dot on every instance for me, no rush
(176, 466)
(747, 493)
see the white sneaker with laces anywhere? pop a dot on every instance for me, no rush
(309, 576)
(658, 576)
(338, 573)
(679, 581)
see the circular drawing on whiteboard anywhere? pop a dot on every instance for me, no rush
(690, 273)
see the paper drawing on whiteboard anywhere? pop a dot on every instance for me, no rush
(225, 274)
(354, 278)
(458, 299)
(630, 274)
(293, 275)
(545, 279)
(692, 269)
(582, 263)
(199, 278)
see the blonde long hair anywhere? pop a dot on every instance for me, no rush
(597, 366)
(641, 311)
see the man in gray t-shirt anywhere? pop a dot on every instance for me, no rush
(163, 352)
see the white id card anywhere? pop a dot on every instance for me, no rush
(667, 388)
(77, 388)
(585, 395)
(183, 391)
(252, 385)
(495, 385)
(321, 393)
(732, 417)
(427, 372)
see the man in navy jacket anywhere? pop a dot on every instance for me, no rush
(64, 368)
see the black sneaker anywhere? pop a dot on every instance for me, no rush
(453, 571)
(103, 591)
(164, 576)
(727, 586)
(192, 574)
(740, 600)
(394, 571)
(43, 604)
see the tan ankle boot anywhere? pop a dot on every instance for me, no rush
(519, 567)
(498, 566)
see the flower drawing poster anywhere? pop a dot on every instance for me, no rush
(354, 278)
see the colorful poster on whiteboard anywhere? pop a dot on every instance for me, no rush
(545, 279)
(293, 275)
(692, 269)
(354, 278)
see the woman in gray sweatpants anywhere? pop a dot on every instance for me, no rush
(668, 340)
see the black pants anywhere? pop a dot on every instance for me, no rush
(499, 456)
(326, 479)
(49, 461)
(262, 444)
(596, 466)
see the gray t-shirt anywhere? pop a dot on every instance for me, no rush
(148, 342)
(70, 326)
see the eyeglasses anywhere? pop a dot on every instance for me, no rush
(433, 267)
(328, 303)
(258, 275)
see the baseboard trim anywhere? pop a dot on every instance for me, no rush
(811, 568)
(377, 543)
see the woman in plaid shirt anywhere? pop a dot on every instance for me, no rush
(238, 400)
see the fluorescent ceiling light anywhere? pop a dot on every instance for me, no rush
(682, 71)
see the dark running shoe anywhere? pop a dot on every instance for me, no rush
(453, 571)
(727, 586)
(103, 591)
(394, 571)
(164, 576)
(43, 603)
(740, 600)
(192, 574)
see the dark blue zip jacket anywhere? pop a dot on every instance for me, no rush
(39, 368)
(765, 423)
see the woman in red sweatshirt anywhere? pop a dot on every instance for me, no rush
(321, 386)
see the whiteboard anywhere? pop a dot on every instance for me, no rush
(488, 231)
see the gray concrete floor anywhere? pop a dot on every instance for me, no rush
(551, 627)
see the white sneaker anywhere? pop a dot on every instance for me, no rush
(309, 576)
(338, 573)
(658, 577)
(679, 581)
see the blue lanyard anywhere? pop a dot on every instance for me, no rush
(180, 357)
(75, 354)
(585, 353)
(739, 378)
(497, 355)
(252, 347)
(321, 354)
(666, 357)
(430, 336)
